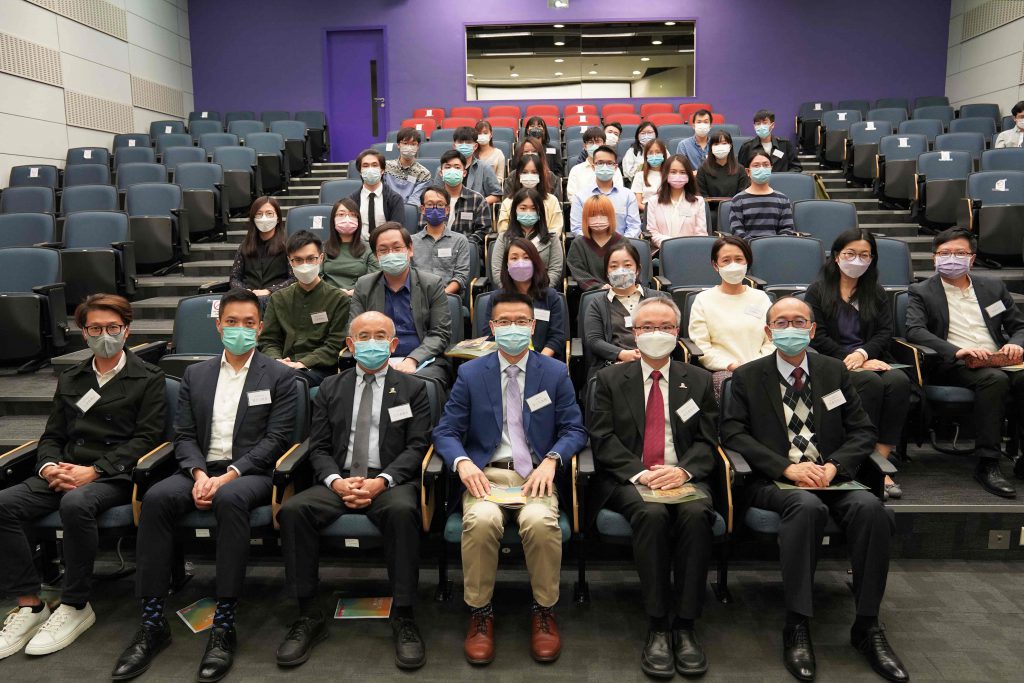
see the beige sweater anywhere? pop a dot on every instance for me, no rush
(729, 328)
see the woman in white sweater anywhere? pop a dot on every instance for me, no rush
(727, 322)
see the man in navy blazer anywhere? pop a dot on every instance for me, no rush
(511, 421)
(235, 418)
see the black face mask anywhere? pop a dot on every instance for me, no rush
(536, 133)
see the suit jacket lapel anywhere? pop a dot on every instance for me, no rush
(820, 377)
(388, 401)
(633, 379)
(378, 299)
(532, 387)
(492, 375)
(942, 305)
(773, 390)
(252, 381)
(678, 394)
(347, 389)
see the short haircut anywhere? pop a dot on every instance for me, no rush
(239, 296)
(614, 124)
(950, 234)
(626, 246)
(443, 191)
(762, 114)
(700, 112)
(597, 205)
(758, 152)
(385, 227)
(113, 303)
(451, 155)
(301, 239)
(1017, 108)
(504, 296)
(609, 149)
(810, 311)
(409, 134)
(732, 240)
(593, 133)
(370, 153)
(663, 301)
(464, 134)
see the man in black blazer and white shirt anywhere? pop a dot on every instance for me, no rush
(235, 417)
(371, 431)
(959, 317)
(797, 420)
(378, 203)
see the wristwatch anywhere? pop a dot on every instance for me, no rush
(554, 456)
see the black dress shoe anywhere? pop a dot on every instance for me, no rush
(220, 653)
(302, 636)
(876, 649)
(991, 478)
(656, 659)
(410, 653)
(140, 654)
(797, 651)
(689, 655)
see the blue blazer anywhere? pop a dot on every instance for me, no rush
(472, 421)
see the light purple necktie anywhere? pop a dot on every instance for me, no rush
(514, 419)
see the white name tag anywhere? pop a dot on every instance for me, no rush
(202, 533)
(87, 154)
(319, 318)
(444, 253)
(351, 542)
(687, 410)
(817, 106)
(551, 150)
(542, 314)
(538, 401)
(318, 222)
(579, 110)
(583, 119)
(995, 309)
(388, 146)
(904, 142)
(777, 153)
(430, 112)
(204, 114)
(88, 400)
(754, 311)
(419, 126)
(628, 321)
(399, 413)
(945, 156)
(466, 215)
(131, 143)
(215, 309)
(841, 116)
(33, 172)
(869, 125)
(259, 398)
(834, 400)
(168, 129)
(1001, 186)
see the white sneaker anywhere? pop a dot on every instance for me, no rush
(19, 627)
(61, 629)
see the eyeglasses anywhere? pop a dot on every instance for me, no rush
(345, 214)
(384, 251)
(309, 260)
(435, 205)
(522, 322)
(797, 323)
(644, 329)
(97, 330)
(849, 255)
(602, 164)
(379, 336)
(269, 214)
(958, 254)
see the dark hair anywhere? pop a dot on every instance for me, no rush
(627, 246)
(541, 227)
(539, 281)
(509, 296)
(868, 295)
(700, 112)
(239, 296)
(689, 190)
(440, 189)
(758, 152)
(370, 153)
(541, 155)
(647, 150)
(538, 160)
(734, 241)
(540, 122)
(1017, 108)
(637, 147)
(481, 125)
(609, 149)
(275, 245)
(614, 124)
(451, 155)
(385, 227)
(114, 303)
(593, 133)
(710, 165)
(302, 238)
(333, 247)
(464, 134)
(762, 114)
(950, 234)
(408, 133)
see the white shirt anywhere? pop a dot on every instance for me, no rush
(364, 207)
(104, 377)
(967, 328)
(628, 302)
(671, 458)
(504, 450)
(648, 190)
(373, 457)
(583, 177)
(225, 407)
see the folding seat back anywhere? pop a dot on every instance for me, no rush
(98, 255)
(164, 142)
(233, 116)
(312, 217)
(27, 200)
(943, 113)
(796, 186)
(665, 119)
(27, 229)
(931, 101)
(132, 174)
(154, 209)
(995, 202)
(296, 144)
(824, 219)
(717, 118)
(239, 166)
(686, 265)
(730, 128)
(857, 105)
(203, 126)
(433, 149)
(211, 141)
(505, 133)
(786, 264)
(667, 132)
(467, 112)
(892, 103)
(974, 124)
(987, 110)
(737, 142)
(133, 155)
(972, 142)
(333, 190)
(649, 108)
(411, 222)
(840, 119)
(33, 175)
(165, 128)
(195, 337)
(87, 155)
(1007, 123)
(440, 135)
(426, 126)
(894, 115)
(317, 131)
(432, 165)
(864, 139)
(930, 128)
(582, 120)
(942, 182)
(512, 111)
(813, 110)
(131, 140)
(573, 148)
(390, 150)
(207, 115)
(459, 122)
(895, 270)
(271, 161)
(541, 110)
(506, 124)
(609, 112)
(175, 156)
(436, 113)
(201, 184)
(898, 163)
(33, 303)
(86, 174)
(724, 220)
(688, 109)
(245, 127)
(627, 119)
(1008, 159)
(88, 198)
(274, 115)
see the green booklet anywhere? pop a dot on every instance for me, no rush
(845, 486)
(680, 494)
(894, 366)
(363, 608)
(199, 615)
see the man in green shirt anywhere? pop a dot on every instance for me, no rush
(304, 325)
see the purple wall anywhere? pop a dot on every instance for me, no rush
(750, 53)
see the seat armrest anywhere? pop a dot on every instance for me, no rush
(15, 460)
(723, 497)
(49, 245)
(577, 494)
(127, 250)
(912, 355)
(149, 469)
(757, 282)
(214, 287)
(882, 463)
(736, 461)
(151, 352)
(54, 292)
(585, 462)
(284, 486)
(576, 348)
(662, 282)
(690, 348)
(430, 472)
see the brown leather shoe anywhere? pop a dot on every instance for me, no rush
(479, 644)
(545, 643)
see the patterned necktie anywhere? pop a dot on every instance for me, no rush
(514, 421)
(654, 425)
(798, 379)
(361, 448)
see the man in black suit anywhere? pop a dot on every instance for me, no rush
(961, 317)
(378, 203)
(371, 430)
(235, 417)
(779, 150)
(108, 411)
(653, 423)
(797, 420)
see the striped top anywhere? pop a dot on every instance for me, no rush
(758, 215)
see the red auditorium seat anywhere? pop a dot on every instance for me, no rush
(507, 110)
(503, 122)
(582, 120)
(542, 110)
(626, 119)
(664, 119)
(475, 113)
(717, 118)
(458, 121)
(655, 108)
(616, 109)
(577, 109)
(427, 126)
(687, 110)
(436, 113)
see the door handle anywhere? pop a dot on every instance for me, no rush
(379, 101)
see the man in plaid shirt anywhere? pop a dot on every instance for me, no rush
(470, 213)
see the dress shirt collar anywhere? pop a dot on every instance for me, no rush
(953, 289)
(639, 290)
(503, 363)
(377, 376)
(224, 361)
(597, 190)
(647, 370)
(379, 191)
(110, 374)
(786, 369)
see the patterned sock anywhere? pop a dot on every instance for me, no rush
(152, 612)
(485, 611)
(224, 617)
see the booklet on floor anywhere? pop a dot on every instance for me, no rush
(199, 615)
(363, 608)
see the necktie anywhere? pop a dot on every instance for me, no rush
(361, 449)
(654, 425)
(514, 421)
(798, 379)
(371, 213)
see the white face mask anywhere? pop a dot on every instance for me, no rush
(483, 139)
(721, 151)
(529, 179)
(264, 224)
(306, 273)
(656, 344)
(702, 129)
(611, 139)
(733, 273)
(408, 151)
(1020, 124)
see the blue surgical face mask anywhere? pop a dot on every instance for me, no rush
(791, 341)
(527, 218)
(760, 174)
(372, 353)
(371, 176)
(452, 177)
(604, 172)
(655, 160)
(435, 216)
(512, 339)
(591, 148)
(464, 148)
(393, 263)
(239, 340)
(762, 130)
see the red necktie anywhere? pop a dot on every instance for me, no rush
(654, 425)
(798, 379)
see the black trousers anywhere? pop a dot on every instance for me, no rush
(171, 498)
(395, 512)
(22, 504)
(886, 399)
(668, 538)
(991, 387)
(862, 517)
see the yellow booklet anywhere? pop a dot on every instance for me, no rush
(472, 348)
(507, 496)
(680, 494)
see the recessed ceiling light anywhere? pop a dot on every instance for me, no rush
(559, 60)
(559, 25)
(636, 73)
(645, 59)
(514, 75)
(593, 73)
(558, 73)
(670, 23)
(560, 42)
(655, 42)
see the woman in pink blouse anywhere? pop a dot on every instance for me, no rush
(679, 210)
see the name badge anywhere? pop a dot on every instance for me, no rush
(33, 172)
(205, 114)
(754, 311)
(215, 308)
(995, 309)
(538, 401)
(834, 400)
(777, 153)
(466, 215)
(88, 400)
(131, 143)
(259, 398)
(167, 130)
(318, 222)
(869, 125)
(319, 318)
(444, 253)
(542, 314)
(399, 413)
(87, 154)
(389, 146)
(551, 150)
(687, 410)
(628, 321)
